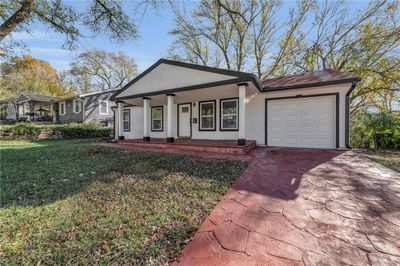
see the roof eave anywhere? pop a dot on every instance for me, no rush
(308, 85)
(237, 74)
(244, 78)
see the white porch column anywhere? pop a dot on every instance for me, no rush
(146, 107)
(170, 108)
(120, 123)
(242, 114)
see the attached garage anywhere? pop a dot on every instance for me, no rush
(309, 110)
(304, 122)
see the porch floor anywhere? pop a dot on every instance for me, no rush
(201, 145)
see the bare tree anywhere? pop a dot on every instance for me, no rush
(100, 16)
(102, 70)
(315, 35)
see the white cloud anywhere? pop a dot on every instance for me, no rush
(35, 35)
(53, 51)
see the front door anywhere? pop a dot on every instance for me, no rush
(184, 117)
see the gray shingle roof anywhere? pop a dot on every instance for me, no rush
(37, 97)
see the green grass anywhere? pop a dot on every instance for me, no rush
(388, 158)
(75, 202)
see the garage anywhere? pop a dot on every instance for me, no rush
(302, 121)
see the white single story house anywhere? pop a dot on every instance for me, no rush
(180, 100)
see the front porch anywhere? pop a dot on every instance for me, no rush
(32, 107)
(192, 145)
(172, 102)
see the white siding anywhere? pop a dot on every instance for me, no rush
(255, 116)
(255, 112)
(166, 76)
(136, 131)
(302, 122)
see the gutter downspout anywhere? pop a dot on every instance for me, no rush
(347, 121)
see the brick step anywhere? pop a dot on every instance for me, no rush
(228, 149)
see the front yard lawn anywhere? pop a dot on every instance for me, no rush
(75, 202)
(388, 158)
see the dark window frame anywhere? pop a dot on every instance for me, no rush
(220, 114)
(214, 116)
(162, 118)
(129, 120)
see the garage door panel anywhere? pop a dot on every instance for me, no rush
(302, 122)
(306, 130)
(289, 107)
(306, 141)
(290, 140)
(276, 139)
(276, 118)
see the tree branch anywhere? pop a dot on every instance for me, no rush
(21, 15)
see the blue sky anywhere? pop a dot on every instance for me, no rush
(153, 43)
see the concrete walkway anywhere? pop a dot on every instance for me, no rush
(303, 207)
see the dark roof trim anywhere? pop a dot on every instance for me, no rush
(188, 88)
(243, 76)
(308, 85)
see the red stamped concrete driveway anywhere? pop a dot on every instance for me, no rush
(303, 207)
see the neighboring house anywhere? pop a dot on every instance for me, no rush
(88, 107)
(70, 109)
(34, 107)
(83, 108)
(7, 110)
(180, 100)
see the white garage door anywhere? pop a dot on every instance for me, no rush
(301, 122)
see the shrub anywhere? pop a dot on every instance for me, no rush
(24, 130)
(377, 130)
(72, 130)
(83, 131)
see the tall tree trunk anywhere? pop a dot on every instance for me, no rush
(22, 14)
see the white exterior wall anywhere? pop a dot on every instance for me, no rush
(136, 131)
(255, 116)
(170, 77)
(217, 134)
(137, 125)
(255, 112)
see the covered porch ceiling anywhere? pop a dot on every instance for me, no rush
(204, 94)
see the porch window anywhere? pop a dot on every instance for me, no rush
(103, 107)
(77, 105)
(207, 116)
(157, 118)
(229, 114)
(126, 119)
(61, 107)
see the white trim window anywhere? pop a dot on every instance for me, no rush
(126, 119)
(103, 107)
(207, 116)
(77, 106)
(157, 118)
(229, 114)
(61, 108)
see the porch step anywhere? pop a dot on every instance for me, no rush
(224, 147)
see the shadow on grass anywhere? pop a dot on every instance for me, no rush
(45, 171)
